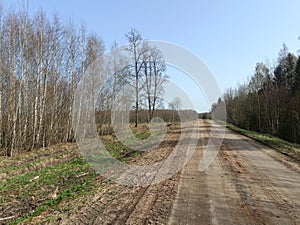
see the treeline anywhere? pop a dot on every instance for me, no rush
(270, 101)
(42, 61)
(168, 115)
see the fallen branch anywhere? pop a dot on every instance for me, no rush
(37, 177)
(81, 175)
(7, 218)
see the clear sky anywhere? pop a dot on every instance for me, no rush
(230, 36)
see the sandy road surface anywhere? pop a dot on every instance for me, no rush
(247, 184)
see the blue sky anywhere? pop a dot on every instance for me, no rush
(228, 36)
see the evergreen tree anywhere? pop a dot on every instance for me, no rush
(284, 73)
(296, 84)
(290, 65)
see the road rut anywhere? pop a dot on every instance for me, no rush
(248, 183)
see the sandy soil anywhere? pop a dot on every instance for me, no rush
(248, 183)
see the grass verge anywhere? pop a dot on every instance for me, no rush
(290, 149)
(37, 185)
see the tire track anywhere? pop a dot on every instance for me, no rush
(265, 202)
(118, 204)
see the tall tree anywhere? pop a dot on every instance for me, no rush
(256, 85)
(290, 67)
(154, 69)
(137, 49)
(175, 106)
(296, 85)
(296, 103)
(270, 102)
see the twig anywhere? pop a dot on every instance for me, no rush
(7, 218)
(37, 177)
(54, 195)
(81, 175)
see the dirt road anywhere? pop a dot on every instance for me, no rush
(247, 184)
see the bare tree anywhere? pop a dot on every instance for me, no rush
(155, 77)
(177, 103)
(41, 63)
(256, 86)
(137, 49)
(175, 106)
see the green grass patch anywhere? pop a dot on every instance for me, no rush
(38, 186)
(33, 179)
(144, 135)
(73, 192)
(121, 151)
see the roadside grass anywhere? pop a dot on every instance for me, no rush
(14, 166)
(28, 195)
(290, 149)
(45, 182)
(121, 151)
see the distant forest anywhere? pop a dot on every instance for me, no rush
(270, 101)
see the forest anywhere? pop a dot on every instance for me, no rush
(42, 60)
(270, 101)
(101, 125)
